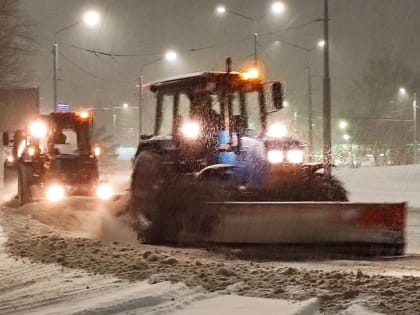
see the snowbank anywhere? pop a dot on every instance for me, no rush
(379, 184)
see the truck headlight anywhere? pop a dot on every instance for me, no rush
(97, 151)
(295, 156)
(31, 151)
(104, 191)
(38, 129)
(190, 130)
(55, 193)
(275, 156)
(277, 131)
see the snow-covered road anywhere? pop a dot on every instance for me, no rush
(113, 280)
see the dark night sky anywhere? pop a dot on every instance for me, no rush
(359, 29)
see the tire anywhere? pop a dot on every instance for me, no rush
(324, 188)
(146, 182)
(24, 184)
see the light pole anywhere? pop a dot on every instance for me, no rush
(327, 94)
(276, 8)
(169, 56)
(308, 51)
(90, 18)
(404, 92)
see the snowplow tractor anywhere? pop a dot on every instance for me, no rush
(54, 158)
(218, 169)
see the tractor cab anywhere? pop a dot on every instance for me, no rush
(211, 118)
(54, 157)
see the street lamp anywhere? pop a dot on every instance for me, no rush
(276, 8)
(343, 124)
(90, 18)
(308, 51)
(403, 92)
(326, 108)
(125, 105)
(321, 43)
(170, 56)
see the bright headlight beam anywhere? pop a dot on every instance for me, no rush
(104, 191)
(275, 156)
(277, 131)
(55, 193)
(295, 156)
(191, 130)
(38, 129)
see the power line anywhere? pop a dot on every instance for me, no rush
(89, 73)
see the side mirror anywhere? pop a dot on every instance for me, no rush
(277, 95)
(6, 139)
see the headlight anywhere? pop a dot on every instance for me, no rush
(31, 151)
(10, 159)
(275, 156)
(295, 156)
(97, 151)
(277, 131)
(38, 129)
(191, 130)
(84, 115)
(104, 191)
(55, 193)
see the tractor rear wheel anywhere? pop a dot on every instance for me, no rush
(24, 184)
(146, 182)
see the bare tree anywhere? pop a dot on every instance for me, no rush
(15, 44)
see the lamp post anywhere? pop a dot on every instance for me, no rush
(90, 18)
(404, 92)
(308, 51)
(276, 8)
(169, 56)
(327, 94)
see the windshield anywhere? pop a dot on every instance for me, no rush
(208, 108)
(65, 142)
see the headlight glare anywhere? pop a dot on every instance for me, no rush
(191, 130)
(38, 129)
(295, 156)
(104, 191)
(277, 131)
(275, 156)
(55, 193)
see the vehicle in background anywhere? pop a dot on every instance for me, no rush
(55, 157)
(18, 106)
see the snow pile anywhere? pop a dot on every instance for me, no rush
(336, 290)
(383, 184)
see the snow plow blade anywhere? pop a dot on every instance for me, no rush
(372, 225)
